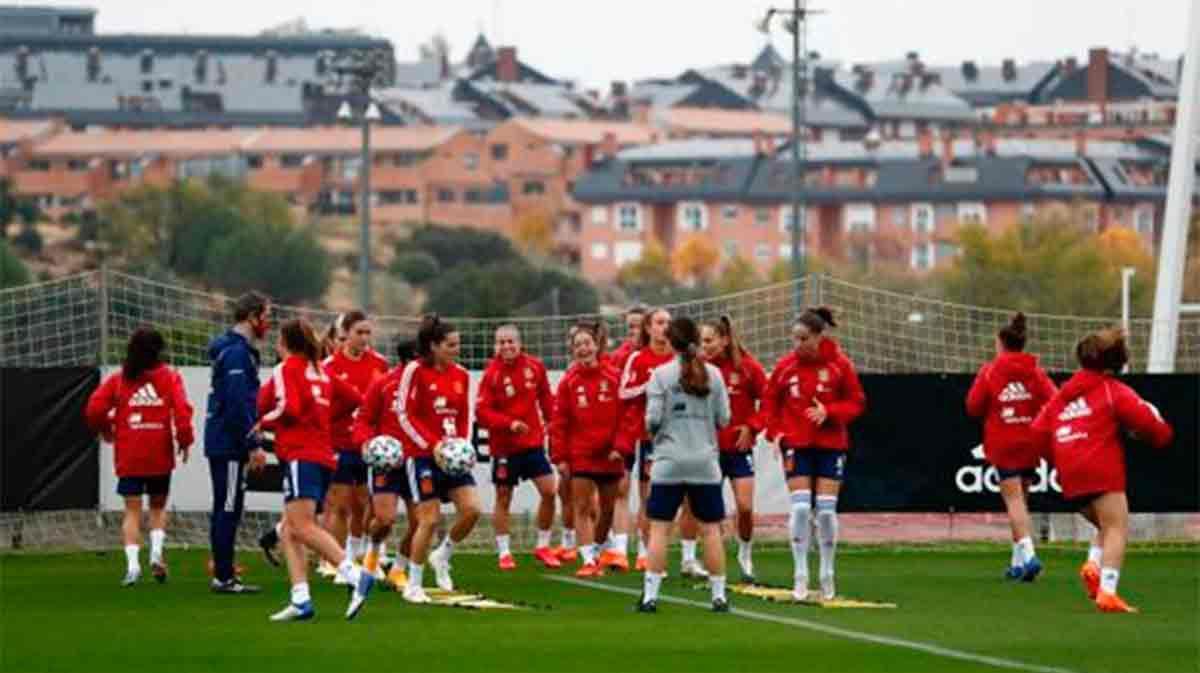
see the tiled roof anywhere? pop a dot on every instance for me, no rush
(140, 143)
(723, 122)
(588, 131)
(14, 131)
(340, 140)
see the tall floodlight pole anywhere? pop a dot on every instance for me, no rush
(1168, 292)
(796, 23)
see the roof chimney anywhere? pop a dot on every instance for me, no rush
(1071, 64)
(1097, 75)
(1008, 69)
(1081, 142)
(970, 71)
(506, 64)
(925, 142)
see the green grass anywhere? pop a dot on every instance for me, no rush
(66, 613)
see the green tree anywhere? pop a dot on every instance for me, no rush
(12, 269)
(416, 268)
(498, 290)
(288, 264)
(738, 275)
(12, 208)
(452, 246)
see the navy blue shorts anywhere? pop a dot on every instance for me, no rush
(393, 481)
(524, 466)
(351, 469)
(822, 463)
(156, 485)
(1027, 474)
(644, 457)
(706, 501)
(738, 465)
(303, 480)
(427, 481)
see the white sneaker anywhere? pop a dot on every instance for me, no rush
(295, 613)
(416, 595)
(131, 577)
(747, 565)
(800, 589)
(441, 571)
(828, 591)
(340, 581)
(694, 570)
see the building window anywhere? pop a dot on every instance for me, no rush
(762, 252)
(599, 251)
(629, 217)
(147, 86)
(445, 195)
(1144, 221)
(899, 216)
(147, 63)
(1028, 210)
(692, 217)
(254, 162)
(922, 218)
(471, 161)
(77, 165)
(785, 250)
(201, 68)
(474, 195)
(921, 257)
(291, 160)
(786, 221)
(599, 214)
(272, 67)
(627, 251)
(859, 218)
(762, 217)
(729, 213)
(39, 165)
(533, 187)
(972, 213)
(93, 64)
(499, 152)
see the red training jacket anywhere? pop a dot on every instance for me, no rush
(634, 377)
(583, 427)
(299, 404)
(144, 419)
(360, 373)
(378, 413)
(1008, 393)
(746, 385)
(514, 391)
(796, 381)
(621, 355)
(433, 404)
(1079, 429)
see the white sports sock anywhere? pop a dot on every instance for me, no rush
(650, 586)
(416, 573)
(502, 545)
(1095, 553)
(1027, 552)
(1015, 559)
(158, 538)
(717, 584)
(588, 552)
(381, 548)
(131, 558)
(446, 547)
(348, 571)
(373, 546)
(300, 594)
(1108, 580)
(689, 550)
(543, 538)
(641, 547)
(351, 547)
(402, 560)
(745, 547)
(568, 538)
(827, 532)
(620, 543)
(801, 530)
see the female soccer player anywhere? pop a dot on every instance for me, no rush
(746, 383)
(1008, 393)
(1081, 428)
(686, 403)
(298, 406)
(144, 412)
(812, 397)
(331, 342)
(514, 398)
(377, 417)
(633, 441)
(582, 432)
(359, 365)
(634, 318)
(432, 406)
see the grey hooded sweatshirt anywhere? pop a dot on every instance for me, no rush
(684, 427)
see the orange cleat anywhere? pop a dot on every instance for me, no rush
(614, 560)
(371, 561)
(547, 557)
(642, 564)
(507, 562)
(1112, 603)
(566, 554)
(590, 570)
(1089, 572)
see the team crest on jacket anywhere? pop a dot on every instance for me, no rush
(734, 378)
(528, 373)
(823, 375)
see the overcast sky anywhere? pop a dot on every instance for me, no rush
(596, 41)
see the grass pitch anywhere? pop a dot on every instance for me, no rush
(66, 612)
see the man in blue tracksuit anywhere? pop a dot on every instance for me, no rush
(228, 444)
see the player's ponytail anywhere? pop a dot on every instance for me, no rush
(1013, 334)
(143, 353)
(300, 338)
(433, 331)
(685, 339)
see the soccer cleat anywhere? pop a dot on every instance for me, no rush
(693, 569)
(233, 586)
(1014, 573)
(340, 581)
(371, 562)
(326, 569)
(397, 577)
(641, 564)
(1089, 572)
(614, 560)
(416, 595)
(1107, 602)
(131, 578)
(590, 570)
(746, 565)
(547, 557)
(159, 570)
(1032, 568)
(295, 613)
(507, 562)
(441, 570)
(720, 605)
(800, 589)
(361, 590)
(268, 541)
(566, 554)
(648, 607)
(828, 590)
